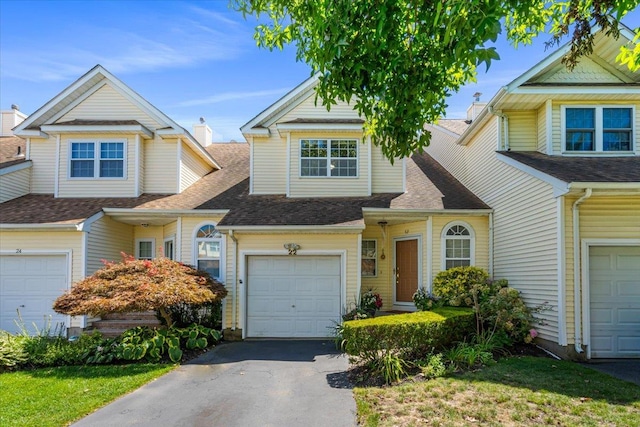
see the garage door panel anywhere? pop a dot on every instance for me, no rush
(629, 289)
(628, 262)
(614, 292)
(628, 316)
(310, 290)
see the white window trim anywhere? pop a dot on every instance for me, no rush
(375, 258)
(329, 140)
(223, 244)
(96, 160)
(153, 247)
(598, 131)
(443, 243)
(172, 240)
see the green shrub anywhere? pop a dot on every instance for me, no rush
(432, 366)
(457, 286)
(506, 312)
(409, 334)
(12, 352)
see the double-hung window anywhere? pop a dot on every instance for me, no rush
(328, 158)
(598, 129)
(97, 159)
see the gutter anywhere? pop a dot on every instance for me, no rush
(576, 270)
(281, 228)
(41, 227)
(235, 280)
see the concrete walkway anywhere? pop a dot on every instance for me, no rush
(250, 383)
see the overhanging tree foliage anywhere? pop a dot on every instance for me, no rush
(140, 285)
(398, 60)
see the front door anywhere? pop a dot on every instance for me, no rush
(406, 270)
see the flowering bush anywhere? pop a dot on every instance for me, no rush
(370, 301)
(457, 286)
(425, 301)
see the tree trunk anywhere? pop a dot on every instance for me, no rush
(166, 316)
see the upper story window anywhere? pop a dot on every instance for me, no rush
(598, 129)
(97, 160)
(328, 158)
(458, 245)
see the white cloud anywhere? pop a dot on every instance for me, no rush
(177, 43)
(231, 96)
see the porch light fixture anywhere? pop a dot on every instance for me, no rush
(144, 225)
(292, 248)
(383, 229)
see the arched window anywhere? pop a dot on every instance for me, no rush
(209, 250)
(458, 245)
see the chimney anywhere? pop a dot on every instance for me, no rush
(10, 119)
(475, 107)
(202, 132)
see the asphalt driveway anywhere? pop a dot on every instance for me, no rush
(250, 383)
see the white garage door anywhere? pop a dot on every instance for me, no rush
(292, 296)
(614, 276)
(30, 283)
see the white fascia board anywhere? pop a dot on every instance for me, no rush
(17, 167)
(275, 229)
(577, 90)
(32, 133)
(86, 224)
(256, 132)
(56, 99)
(285, 127)
(39, 227)
(137, 129)
(392, 213)
(164, 212)
(546, 62)
(277, 107)
(560, 187)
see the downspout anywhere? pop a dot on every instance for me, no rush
(491, 245)
(235, 281)
(505, 126)
(576, 270)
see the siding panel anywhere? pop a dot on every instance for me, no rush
(523, 134)
(160, 166)
(192, 168)
(107, 238)
(15, 184)
(43, 154)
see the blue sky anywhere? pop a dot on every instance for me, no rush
(190, 59)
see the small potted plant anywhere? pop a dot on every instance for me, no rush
(370, 302)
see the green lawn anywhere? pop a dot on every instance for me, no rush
(58, 396)
(518, 391)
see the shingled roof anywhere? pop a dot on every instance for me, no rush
(429, 187)
(12, 150)
(581, 169)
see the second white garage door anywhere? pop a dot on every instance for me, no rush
(293, 296)
(614, 282)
